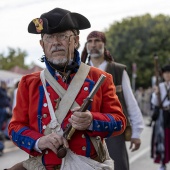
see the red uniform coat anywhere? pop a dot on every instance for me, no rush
(31, 115)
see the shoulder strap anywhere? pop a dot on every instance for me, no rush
(69, 96)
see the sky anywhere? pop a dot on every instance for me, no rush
(15, 15)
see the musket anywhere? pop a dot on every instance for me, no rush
(70, 130)
(85, 105)
(157, 78)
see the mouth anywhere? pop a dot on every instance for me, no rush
(59, 50)
(94, 51)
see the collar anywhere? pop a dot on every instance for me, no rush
(102, 66)
(73, 66)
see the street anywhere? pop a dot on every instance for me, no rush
(139, 160)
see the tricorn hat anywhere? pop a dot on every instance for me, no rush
(58, 20)
(166, 68)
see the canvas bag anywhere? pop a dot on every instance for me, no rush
(73, 161)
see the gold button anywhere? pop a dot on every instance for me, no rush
(115, 127)
(46, 152)
(22, 142)
(98, 126)
(29, 143)
(83, 136)
(106, 127)
(83, 148)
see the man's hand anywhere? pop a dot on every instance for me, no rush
(135, 144)
(52, 141)
(80, 120)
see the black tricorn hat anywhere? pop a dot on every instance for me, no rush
(166, 68)
(58, 20)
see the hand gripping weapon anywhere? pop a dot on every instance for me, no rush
(70, 130)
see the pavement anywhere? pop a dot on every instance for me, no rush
(9, 146)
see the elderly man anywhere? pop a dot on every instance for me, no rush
(49, 101)
(99, 57)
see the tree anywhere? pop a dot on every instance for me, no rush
(136, 40)
(12, 59)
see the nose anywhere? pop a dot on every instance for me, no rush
(93, 43)
(56, 42)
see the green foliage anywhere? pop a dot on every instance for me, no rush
(136, 40)
(12, 59)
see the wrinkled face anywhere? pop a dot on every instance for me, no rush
(59, 47)
(95, 47)
(166, 76)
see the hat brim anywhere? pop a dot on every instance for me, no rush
(67, 22)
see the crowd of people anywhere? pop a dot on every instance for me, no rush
(7, 103)
(5, 113)
(51, 104)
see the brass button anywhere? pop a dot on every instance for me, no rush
(83, 136)
(22, 142)
(106, 127)
(46, 152)
(29, 143)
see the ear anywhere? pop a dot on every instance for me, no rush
(42, 44)
(76, 41)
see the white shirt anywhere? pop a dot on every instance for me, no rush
(163, 92)
(133, 110)
(14, 98)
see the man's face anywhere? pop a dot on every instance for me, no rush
(59, 47)
(166, 76)
(95, 47)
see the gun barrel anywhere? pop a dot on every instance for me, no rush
(97, 85)
(87, 103)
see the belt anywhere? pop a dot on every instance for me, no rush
(166, 108)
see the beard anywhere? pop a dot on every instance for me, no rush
(94, 53)
(59, 62)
